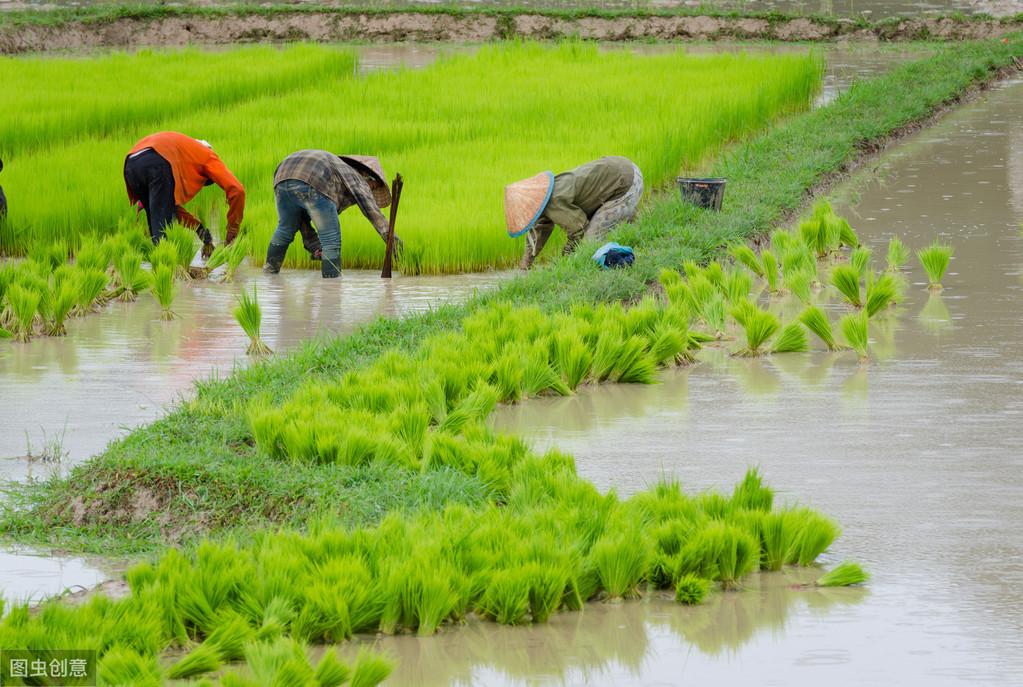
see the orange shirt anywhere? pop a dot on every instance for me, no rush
(193, 164)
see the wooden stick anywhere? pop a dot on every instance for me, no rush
(389, 255)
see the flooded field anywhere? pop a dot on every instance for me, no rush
(916, 453)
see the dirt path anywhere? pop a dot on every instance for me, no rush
(328, 26)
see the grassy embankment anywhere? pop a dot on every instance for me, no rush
(199, 466)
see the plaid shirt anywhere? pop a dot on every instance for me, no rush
(329, 175)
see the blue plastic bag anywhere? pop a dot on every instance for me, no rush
(613, 255)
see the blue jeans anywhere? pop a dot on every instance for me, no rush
(298, 201)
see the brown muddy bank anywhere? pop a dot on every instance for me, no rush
(184, 28)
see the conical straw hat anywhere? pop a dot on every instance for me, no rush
(370, 168)
(525, 201)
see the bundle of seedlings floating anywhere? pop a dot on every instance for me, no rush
(935, 259)
(131, 278)
(24, 304)
(844, 574)
(164, 290)
(882, 291)
(56, 306)
(250, 317)
(815, 319)
(791, 339)
(854, 329)
(898, 254)
(758, 325)
(846, 278)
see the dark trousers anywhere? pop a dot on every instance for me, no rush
(151, 180)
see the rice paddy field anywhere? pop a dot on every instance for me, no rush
(458, 131)
(776, 449)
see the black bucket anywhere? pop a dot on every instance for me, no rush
(704, 193)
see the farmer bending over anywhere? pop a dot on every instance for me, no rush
(166, 170)
(316, 186)
(586, 202)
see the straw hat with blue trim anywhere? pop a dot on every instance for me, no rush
(525, 201)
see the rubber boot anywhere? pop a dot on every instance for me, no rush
(330, 265)
(275, 253)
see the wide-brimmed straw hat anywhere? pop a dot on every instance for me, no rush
(369, 167)
(525, 201)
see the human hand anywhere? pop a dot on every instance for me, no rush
(232, 234)
(207, 250)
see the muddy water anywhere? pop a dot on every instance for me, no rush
(25, 576)
(124, 367)
(917, 454)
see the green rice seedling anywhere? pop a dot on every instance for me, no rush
(130, 277)
(235, 256)
(669, 278)
(751, 493)
(715, 273)
(622, 561)
(370, 669)
(846, 234)
(799, 282)
(204, 658)
(573, 359)
(691, 590)
(57, 305)
(811, 536)
(781, 241)
(92, 286)
(124, 666)
(859, 259)
(633, 364)
(882, 290)
(791, 339)
(52, 255)
(506, 598)
(844, 574)
(721, 552)
(771, 274)
(758, 325)
(546, 589)
(713, 313)
(775, 539)
(5, 334)
(250, 317)
(898, 254)
(164, 255)
(744, 254)
(92, 255)
(164, 290)
(814, 319)
(935, 259)
(738, 284)
(183, 241)
(846, 279)
(854, 329)
(667, 344)
(24, 304)
(330, 671)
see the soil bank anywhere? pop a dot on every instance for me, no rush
(36, 32)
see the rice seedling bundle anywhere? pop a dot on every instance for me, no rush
(898, 254)
(770, 263)
(859, 259)
(791, 339)
(691, 590)
(882, 291)
(744, 254)
(165, 254)
(131, 279)
(235, 256)
(164, 290)
(854, 329)
(799, 283)
(846, 234)
(250, 317)
(844, 574)
(935, 259)
(846, 279)
(812, 535)
(92, 286)
(758, 325)
(183, 241)
(57, 305)
(24, 303)
(622, 563)
(814, 319)
(457, 109)
(737, 286)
